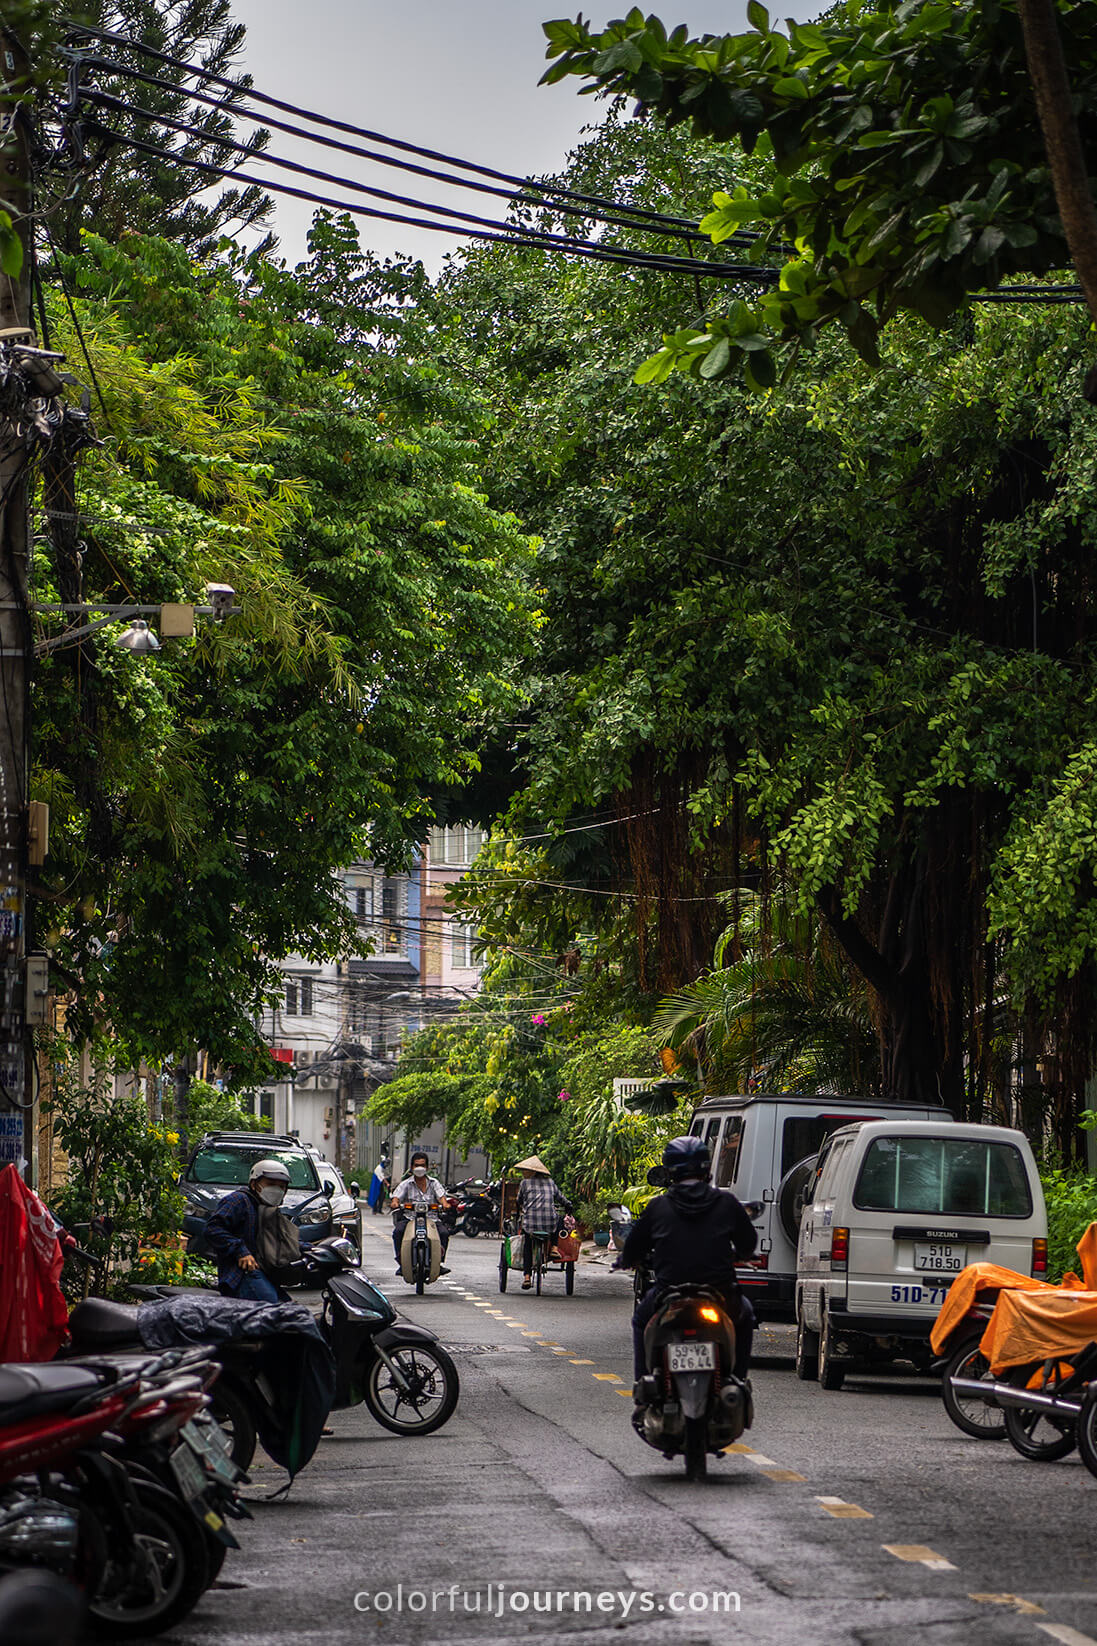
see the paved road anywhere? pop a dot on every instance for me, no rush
(860, 1518)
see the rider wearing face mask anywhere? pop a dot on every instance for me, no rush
(250, 1237)
(417, 1187)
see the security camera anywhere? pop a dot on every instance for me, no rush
(221, 597)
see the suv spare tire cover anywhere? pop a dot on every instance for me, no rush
(790, 1195)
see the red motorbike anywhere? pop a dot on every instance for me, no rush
(79, 1493)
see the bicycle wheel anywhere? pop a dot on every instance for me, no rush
(569, 1278)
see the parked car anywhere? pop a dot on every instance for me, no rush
(895, 1210)
(221, 1162)
(345, 1211)
(764, 1147)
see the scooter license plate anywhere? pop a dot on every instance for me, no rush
(691, 1357)
(209, 1443)
(188, 1472)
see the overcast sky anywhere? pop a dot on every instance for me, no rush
(459, 76)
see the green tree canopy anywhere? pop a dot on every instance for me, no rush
(203, 797)
(909, 167)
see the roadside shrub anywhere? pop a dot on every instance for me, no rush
(1071, 1195)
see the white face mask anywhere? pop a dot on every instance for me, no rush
(272, 1194)
(419, 1171)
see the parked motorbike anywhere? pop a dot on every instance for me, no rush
(963, 1364)
(692, 1402)
(69, 1501)
(1042, 1404)
(477, 1207)
(403, 1374)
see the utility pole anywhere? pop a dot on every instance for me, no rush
(18, 1116)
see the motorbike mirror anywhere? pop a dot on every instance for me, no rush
(102, 1225)
(754, 1209)
(356, 1189)
(658, 1177)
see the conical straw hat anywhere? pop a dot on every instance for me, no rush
(533, 1164)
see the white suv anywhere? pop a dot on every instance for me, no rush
(897, 1208)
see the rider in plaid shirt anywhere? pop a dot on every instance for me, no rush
(539, 1206)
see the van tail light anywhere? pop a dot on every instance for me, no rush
(839, 1250)
(1039, 1259)
(759, 1261)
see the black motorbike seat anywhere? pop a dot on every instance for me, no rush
(99, 1324)
(32, 1391)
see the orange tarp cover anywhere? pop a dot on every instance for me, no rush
(981, 1277)
(1032, 1326)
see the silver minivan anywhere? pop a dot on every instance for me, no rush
(895, 1210)
(764, 1147)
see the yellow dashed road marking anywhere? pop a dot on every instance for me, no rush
(626, 1394)
(918, 1554)
(604, 1377)
(582, 1363)
(763, 1461)
(841, 1510)
(782, 1474)
(1027, 1608)
(531, 1334)
(738, 1446)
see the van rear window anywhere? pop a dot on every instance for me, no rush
(805, 1135)
(938, 1176)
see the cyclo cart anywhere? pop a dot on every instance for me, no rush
(556, 1253)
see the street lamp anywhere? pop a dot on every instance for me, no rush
(138, 637)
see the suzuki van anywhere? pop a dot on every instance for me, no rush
(764, 1147)
(895, 1209)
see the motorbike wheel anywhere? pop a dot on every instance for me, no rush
(569, 1278)
(1087, 1431)
(434, 1387)
(469, 1227)
(973, 1417)
(1038, 1437)
(228, 1410)
(503, 1271)
(807, 1353)
(176, 1577)
(695, 1449)
(539, 1278)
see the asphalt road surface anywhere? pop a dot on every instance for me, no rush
(857, 1518)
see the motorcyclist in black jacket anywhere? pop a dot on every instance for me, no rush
(691, 1236)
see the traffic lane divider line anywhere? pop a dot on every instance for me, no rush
(917, 1554)
(1066, 1636)
(626, 1394)
(1027, 1608)
(841, 1510)
(582, 1363)
(738, 1446)
(782, 1475)
(605, 1377)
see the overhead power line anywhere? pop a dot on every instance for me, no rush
(451, 214)
(626, 216)
(511, 235)
(520, 185)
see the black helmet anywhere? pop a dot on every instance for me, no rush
(687, 1157)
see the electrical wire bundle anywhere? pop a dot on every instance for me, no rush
(525, 195)
(550, 200)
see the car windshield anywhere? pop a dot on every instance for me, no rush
(950, 1177)
(225, 1165)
